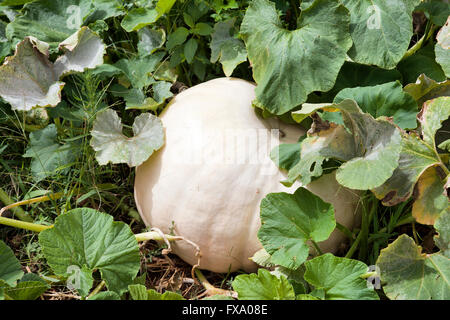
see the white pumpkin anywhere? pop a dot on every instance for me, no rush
(207, 182)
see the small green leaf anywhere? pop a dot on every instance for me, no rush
(90, 240)
(263, 286)
(408, 274)
(177, 37)
(202, 29)
(226, 48)
(386, 99)
(340, 278)
(48, 156)
(284, 73)
(289, 221)
(10, 269)
(190, 48)
(111, 145)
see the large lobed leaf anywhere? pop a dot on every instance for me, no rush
(409, 274)
(386, 99)
(29, 79)
(49, 157)
(263, 286)
(91, 240)
(339, 278)
(420, 163)
(288, 65)
(50, 21)
(111, 145)
(10, 269)
(381, 30)
(369, 147)
(289, 221)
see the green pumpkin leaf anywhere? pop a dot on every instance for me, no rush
(27, 290)
(284, 73)
(138, 18)
(140, 292)
(386, 99)
(138, 70)
(226, 47)
(421, 62)
(90, 240)
(435, 10)
(289, 221)
(177, 37)
(370, 148)
(442, 48)
(381, 30)
(5, 45)
(425, 89)
(408, 274)
(202, 29)
(263, 286)
(10, 269)
(339, 278)
(415, 158)
(286, 155)
(111, 145)
(49, 157)
(190, 48)
(105, 295)
(354, 75)
(417, 155)
(50, 21)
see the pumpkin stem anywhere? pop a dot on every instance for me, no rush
(210, 289)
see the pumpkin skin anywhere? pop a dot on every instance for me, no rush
(206, 184)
